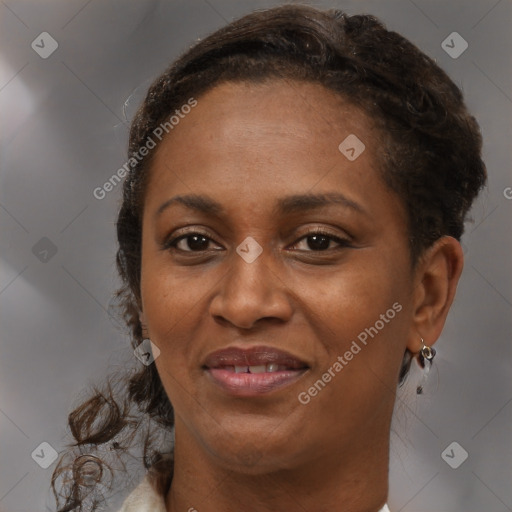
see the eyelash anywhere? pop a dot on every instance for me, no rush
(343, 242)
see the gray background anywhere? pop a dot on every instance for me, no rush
(64, 132)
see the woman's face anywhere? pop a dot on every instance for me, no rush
(267, 246)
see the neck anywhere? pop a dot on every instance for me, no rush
(354, 477)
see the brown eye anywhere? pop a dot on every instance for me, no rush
(194, 242)
(320, 242)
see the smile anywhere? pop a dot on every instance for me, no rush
(254, 371)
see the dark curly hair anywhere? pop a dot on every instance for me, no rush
(429, 154)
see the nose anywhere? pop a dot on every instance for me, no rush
(251, 293)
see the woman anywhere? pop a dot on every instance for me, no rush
(289, 243)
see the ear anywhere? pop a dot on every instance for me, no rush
(436, 280)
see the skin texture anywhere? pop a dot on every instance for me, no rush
(246, 146)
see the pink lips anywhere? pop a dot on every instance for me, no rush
(253, 371)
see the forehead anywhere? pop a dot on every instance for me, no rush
(303, 110)
(276, 130)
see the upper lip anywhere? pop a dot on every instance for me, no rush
(253, 356)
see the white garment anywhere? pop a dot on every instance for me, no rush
(145, 499)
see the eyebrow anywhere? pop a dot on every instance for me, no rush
(202, 204)
(305, 202)
(286, 205)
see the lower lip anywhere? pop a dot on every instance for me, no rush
(253, 384)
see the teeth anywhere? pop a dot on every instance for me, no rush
(261, 368)
(258, 369)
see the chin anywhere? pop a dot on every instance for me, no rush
(254, 461)
(251, 451)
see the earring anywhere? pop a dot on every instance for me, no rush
(425, 357)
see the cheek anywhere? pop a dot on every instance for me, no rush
(360, 317)
(171, 306)
(354, 297)
(175, 301)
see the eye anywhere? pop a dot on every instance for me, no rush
(320, 241)
(191, 242)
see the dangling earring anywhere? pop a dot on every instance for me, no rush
(425, 357)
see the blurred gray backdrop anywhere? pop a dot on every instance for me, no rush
(72, 73)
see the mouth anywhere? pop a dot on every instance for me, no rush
(254, 371)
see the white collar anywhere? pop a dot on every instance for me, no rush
(145, 499)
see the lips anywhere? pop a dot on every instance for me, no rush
(253, 371)
(254, 357)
